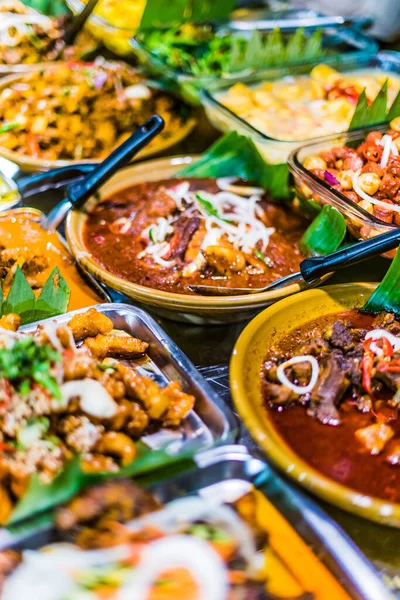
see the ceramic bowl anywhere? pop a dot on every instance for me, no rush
(181, 307)
(245, 369)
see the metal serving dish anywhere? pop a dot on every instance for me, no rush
(225, 474)
(210, 421)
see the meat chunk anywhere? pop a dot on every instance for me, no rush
(374, 437)
(387, 321)
(328, 391)
(102, 346)
(185, 228)
(180, 404)
(90, 324)
(11, 322)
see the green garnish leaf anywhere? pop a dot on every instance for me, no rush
(20, 299)
(151, 236)
(54, 297)
(8, 127)
(27, 361)
(208, 207)
(234, 153)
(386, 297)
(378, 112)
(326, 232)
(106, 367)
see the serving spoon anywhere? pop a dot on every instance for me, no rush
(78, 192)
(311, 269)
(78, 23)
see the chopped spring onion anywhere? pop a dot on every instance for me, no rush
(369, 198)
(260, 255)
(151, 235)
(299, 389)
(378, 334)
(8, 127)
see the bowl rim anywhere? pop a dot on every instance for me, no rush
(37, 164)
(74, 224)
(273, 444)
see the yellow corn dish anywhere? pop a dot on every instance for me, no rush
(306, 106)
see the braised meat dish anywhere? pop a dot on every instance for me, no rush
(332, 387)
(175, 233)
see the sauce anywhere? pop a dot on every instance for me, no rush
(121, 253)
(25, 234)
(333, 450)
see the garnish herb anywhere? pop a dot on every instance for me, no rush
(8, 127)
(151, 236)
(105, 367)
(26, 361)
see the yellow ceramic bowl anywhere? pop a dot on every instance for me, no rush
(245, 368)
(27, 163)
(181, 307)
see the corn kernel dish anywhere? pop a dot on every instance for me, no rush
(306, 106)
(58, 400)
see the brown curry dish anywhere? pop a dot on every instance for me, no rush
(331, 388)
(174, 233)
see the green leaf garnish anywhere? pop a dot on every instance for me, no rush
(54, 297)
(386, 297)
(8, 127)
(158, 13)
(260, 256)
(106, 367)
(326, 232)
(234, 153)
(378, 112)
(26, 361)
(20, 299)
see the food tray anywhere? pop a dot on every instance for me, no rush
(362, 224)
(274, 150)
(345, 45)
(226, 473)
(210, 421)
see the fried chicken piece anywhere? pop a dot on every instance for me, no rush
(11, 322)
(129, 417)
(150, 394)
(90, 324)
(109, 345)
(180, 404)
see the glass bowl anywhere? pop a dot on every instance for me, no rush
(274, 150)
(309, 187)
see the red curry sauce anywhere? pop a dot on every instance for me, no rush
(334, 450)
(118, 251)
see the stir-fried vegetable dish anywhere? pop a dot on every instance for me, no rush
(58, 400)
(368, 175)
(201, 51)
(28, 37)
(80, 111)
(174, 233)
(332, 389)
(304, 107)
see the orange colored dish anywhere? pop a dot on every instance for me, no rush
(24, 243)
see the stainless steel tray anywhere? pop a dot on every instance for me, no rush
(211, 420)
(226, 473)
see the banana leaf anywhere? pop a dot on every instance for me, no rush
(378, 112)
(386, 297)
(41, 497)
(52, 8)
(235, 154)
(325, 234)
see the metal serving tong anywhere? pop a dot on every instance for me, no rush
(311, 269)
(78, 192)
(78, 23)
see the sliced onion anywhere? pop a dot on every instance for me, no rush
(386, 143)
(226, 185)
(299, 389)
(94, 398)
(179, 552)
(329, 178)
(369, 198)
(378, 334)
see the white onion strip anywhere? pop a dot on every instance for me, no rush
(299, 389)
(378, 334)
(226, 184)
(369, 198)
(387, 146)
